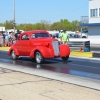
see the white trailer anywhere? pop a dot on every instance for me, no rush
(2, 29)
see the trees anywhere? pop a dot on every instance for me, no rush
(75, 25)
(8, 24)
(45, 25)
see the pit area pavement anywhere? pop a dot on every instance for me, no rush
(16, 85)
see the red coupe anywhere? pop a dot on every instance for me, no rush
(38, 44)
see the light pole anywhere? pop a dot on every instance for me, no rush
(14, 22)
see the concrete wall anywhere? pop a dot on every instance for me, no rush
(94, 39)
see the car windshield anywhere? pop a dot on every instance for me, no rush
(38, 35)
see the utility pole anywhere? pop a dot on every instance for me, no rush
(14, 21)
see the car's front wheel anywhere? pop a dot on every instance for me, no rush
(14, 56)
(65, 58)
(38, 57)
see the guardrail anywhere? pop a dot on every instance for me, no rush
(79, 45)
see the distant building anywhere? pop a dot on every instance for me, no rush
(93, 18)
(2, 29)
(12, 30)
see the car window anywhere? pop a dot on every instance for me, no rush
(71, 35)
(37, 35)
(25, 37)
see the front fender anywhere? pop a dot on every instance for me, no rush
(46, 52)
(13, 49)
(64, 50)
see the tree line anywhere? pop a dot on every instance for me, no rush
(45, 25)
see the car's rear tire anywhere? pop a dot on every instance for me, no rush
(65, 58)
(38, 57)
(14, 56)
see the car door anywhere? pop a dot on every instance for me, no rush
(25, 45)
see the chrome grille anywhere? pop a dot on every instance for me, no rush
(55, 48)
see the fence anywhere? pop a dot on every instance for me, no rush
(77, 45)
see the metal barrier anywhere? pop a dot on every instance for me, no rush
(77, 45)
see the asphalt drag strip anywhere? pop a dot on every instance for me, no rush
(72, 79)
(16, 85)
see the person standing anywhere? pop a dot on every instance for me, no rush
(6, 39)
(64, 37)
(17, 34)
(11, 38)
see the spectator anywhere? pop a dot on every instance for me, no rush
(1, 39)
(64, 37)
(6, 39)
(12, 38)
(17, 34)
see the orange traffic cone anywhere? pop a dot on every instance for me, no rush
(80, 49)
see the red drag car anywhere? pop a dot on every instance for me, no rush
(38, 44)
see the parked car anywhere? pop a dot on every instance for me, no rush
(83, 35)
(72, 35)
(38, 44)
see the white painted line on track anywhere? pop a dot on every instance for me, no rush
(86, 58)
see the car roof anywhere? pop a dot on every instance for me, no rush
(34, 31)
